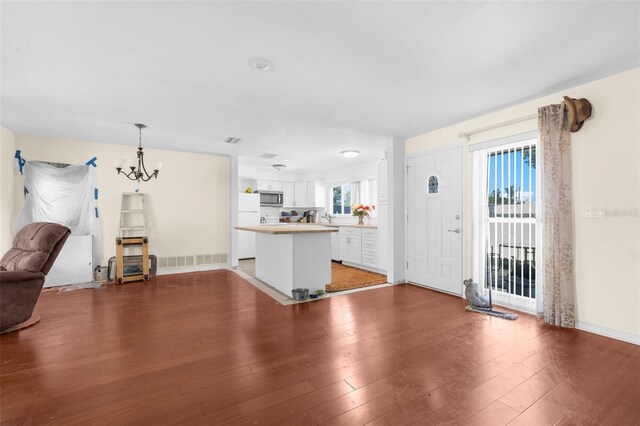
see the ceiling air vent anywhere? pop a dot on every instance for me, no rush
(268, 155)
(232, 140)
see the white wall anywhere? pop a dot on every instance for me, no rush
(7, 152)
(605, 154)
(356, 172)
(252, 172)
(188, 205)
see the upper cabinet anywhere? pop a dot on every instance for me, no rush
(316, 194)
(383, 186)
(300, 195)
(304, 194)
(269, 185)
(288, 194)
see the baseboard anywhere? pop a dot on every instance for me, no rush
(185, 269)
(609, 332)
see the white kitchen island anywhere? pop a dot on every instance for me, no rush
(293, 256)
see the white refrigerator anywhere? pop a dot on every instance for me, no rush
(248, 215)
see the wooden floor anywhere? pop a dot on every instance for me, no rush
(208, 348)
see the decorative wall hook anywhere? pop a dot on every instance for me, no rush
(579, 111)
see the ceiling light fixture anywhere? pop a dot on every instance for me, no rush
(138, 173)
(279, 166)
(350, 153)
(261, 64)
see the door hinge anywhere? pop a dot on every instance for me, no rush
(407, 264)
(408, 169)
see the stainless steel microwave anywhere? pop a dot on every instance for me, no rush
(271, 198)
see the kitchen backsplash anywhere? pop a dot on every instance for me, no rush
(272, 214)
(352, 220)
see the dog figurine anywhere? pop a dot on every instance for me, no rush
(474, 296)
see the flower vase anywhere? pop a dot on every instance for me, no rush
(360, 220)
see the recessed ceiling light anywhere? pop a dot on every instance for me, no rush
(350, 153)
(261, 64)
(279, 166)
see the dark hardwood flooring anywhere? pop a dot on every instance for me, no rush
(208, 348)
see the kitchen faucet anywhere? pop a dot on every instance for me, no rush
(327, 216)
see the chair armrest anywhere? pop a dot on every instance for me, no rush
(7, 277)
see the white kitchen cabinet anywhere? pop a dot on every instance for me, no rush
(316, 194)
(312, 193)
(355, 250)
(370, 247)
(350, 250)
(383, 186)
(269, 185)
(288, 194)
(335, 246)
(300, 194)
(351, 245)
(344, 248)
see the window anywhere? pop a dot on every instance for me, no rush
(341, 199)
(506, 246)
(433, 185)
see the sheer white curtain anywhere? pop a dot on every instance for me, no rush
(557, 216)
(355, 193)
(364, 191)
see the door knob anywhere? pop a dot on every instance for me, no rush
(457, 230)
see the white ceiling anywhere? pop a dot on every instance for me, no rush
(348, 74)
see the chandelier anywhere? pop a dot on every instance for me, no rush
(138, 173)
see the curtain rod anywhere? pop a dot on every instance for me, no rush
(467, 135)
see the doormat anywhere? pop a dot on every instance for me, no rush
(346, 278)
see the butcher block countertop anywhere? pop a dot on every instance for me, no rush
(288, 229)
(329, 225)
(346, 225)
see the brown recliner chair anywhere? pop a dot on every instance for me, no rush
(23, 269)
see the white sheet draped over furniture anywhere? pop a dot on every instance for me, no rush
(65, 195)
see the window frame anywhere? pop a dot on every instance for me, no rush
(483, 220)
(342, 208)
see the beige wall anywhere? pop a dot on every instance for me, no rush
(7, 152)
(606, 173)
(187, 206)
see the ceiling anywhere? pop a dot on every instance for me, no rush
(348, 75)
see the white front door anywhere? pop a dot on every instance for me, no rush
(434, 227)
